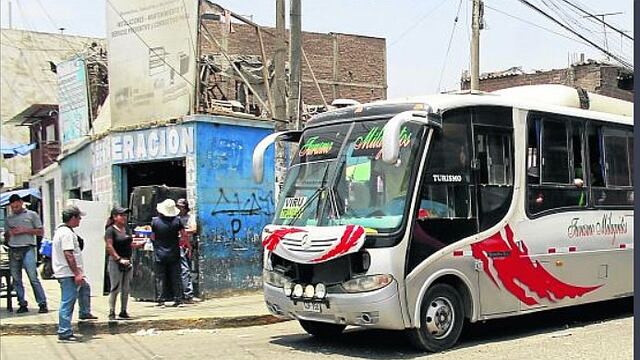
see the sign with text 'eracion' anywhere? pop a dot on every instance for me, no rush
(152, 144)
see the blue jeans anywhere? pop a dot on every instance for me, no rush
(69, 293)
(185, 273)
(25, 257)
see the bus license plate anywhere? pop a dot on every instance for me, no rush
(312, 307)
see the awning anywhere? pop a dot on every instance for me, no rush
(10, 150)
(4, 197)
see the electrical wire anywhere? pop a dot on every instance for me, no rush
(605, 51)
(446, 56)
(416, 23)
(534, 24)
(595, 18)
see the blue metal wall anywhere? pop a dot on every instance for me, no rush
(232, 209)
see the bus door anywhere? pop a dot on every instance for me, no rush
(493, 171)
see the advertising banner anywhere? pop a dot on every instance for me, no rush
(73, 99)
(152, 64)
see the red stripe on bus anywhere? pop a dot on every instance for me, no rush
(572, 248)
(551, 250)
(458, 253)
(623, 246)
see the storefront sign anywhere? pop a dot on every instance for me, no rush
(152, 144)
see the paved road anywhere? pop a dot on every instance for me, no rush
(599, 331)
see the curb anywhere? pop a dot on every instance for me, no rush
(131, 326)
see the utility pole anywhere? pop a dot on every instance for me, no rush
(476, 25)
(279, 94)
(9, 13)
(295, 67)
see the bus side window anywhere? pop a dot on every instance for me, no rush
(495, 175)
(612, 180)
(555, 166)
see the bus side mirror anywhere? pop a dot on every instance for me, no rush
(261, 148)
(391, 131)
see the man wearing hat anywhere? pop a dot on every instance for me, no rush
(166, 231)
(23, 225)
(69, 270)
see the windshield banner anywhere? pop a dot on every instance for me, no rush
(313, 244)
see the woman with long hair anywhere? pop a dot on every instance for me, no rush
(120, 244)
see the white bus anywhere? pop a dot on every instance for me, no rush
(426, 213)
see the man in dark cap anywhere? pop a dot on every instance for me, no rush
(69, 270)
(23, 226)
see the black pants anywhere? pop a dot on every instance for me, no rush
(168, 279)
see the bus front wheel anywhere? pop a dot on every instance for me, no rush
(320, 329)
(441, 319)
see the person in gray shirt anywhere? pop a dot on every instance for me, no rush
(22, 227)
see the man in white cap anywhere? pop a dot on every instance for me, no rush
(66, 258)
(166, 231)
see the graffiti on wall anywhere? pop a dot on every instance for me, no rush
(232, 209)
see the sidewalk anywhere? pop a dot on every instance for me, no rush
(233, 311)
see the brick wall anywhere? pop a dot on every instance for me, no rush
(593, 77)
(346, 66)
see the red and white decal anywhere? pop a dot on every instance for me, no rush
(518, 273)
(313, 244)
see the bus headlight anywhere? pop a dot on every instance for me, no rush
(309, 291)
(367, 283)
(273, 278)
(321, 291)
(298, 290)
(288, 288)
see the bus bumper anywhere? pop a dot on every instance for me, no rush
(374, 309)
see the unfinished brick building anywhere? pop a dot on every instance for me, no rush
(343, 65)
(594, 76)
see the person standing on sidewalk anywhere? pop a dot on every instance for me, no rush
(68, 269)
(120, 244)
(186, 250)
(166, 229)
(23, 225)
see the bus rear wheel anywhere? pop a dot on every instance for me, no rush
(441, 319)
(320, 329)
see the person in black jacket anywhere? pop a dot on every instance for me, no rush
(119, 243)
(166, 231)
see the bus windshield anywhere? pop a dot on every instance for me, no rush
(338, 178)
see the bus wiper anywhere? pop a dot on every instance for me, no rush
(315, 194)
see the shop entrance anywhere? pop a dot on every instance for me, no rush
(170, 173)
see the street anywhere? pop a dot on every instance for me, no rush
(597, 331)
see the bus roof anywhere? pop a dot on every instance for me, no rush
(556, 99)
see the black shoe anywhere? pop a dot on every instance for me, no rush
(69, 338)
(112, 315)
(43, 309)
(124, 315)
(22, 309)
(88, 317)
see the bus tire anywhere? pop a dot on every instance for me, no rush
(441, 319)
(321, 329)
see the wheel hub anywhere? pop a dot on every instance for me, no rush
(440, 317)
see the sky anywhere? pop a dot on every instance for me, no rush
(427, 49)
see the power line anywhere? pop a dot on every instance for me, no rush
(597, 19)
(617, 58)
(446, 56)
(147, 45)
(64, 38)
(534, 24)
(412, 26)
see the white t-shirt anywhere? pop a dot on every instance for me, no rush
(64, 239)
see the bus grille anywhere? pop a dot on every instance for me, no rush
(307, 245)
